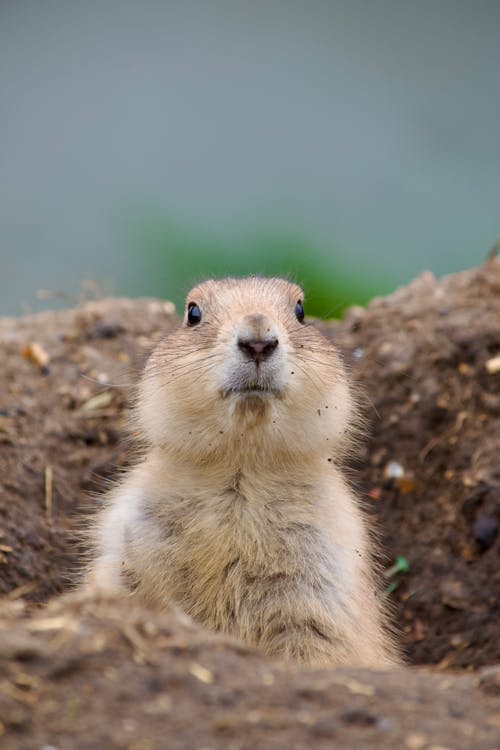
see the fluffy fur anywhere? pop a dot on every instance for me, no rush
(239, 512)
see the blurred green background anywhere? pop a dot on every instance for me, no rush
(183, 257)
(348, 145)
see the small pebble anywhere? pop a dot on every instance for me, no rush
(415, 741)
(493, 365)
(201, 673)
(393, 470)
(453, 594)
(485, 531)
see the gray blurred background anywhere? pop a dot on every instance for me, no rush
(143, 145)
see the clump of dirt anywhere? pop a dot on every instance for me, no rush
(427, 361)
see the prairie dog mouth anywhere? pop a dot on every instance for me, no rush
(260, 391)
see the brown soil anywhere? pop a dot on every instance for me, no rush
(90, 675)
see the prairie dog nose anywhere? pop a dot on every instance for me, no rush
(257, 338)
(258, 350)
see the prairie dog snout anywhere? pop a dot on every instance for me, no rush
(255, 357)
(239, 511)
(257, 338)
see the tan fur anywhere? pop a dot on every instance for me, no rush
(239, 512)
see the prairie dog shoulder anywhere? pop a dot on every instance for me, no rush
(239, 511)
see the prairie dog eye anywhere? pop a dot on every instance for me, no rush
(299, 312)
(194, 314)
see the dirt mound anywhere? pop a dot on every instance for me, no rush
(427, 360)
(61, 429)
(102, 675)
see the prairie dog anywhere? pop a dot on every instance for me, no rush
(239, 512)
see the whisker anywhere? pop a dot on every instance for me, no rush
(106, 383)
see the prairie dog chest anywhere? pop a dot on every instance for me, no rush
(263, 525)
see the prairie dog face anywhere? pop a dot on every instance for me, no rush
(244, 375)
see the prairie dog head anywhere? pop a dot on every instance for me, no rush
(244, 377)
